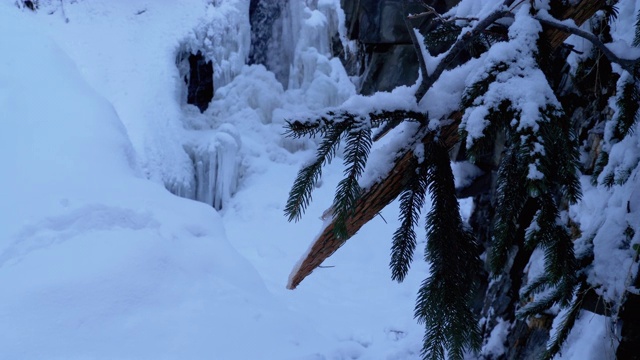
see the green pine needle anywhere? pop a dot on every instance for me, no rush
(629, 103)
(404, 239)
(566, 325)
(454, 257)
(308, 176)
(511, 197)
(358, 145)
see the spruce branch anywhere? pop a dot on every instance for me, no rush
(566, 324)
(308, 176)
(536, 286)
(511, 197)
(404, 239)
(629, 103)
(358, 144)
(455, 263)
(317, 125)
(462, 42)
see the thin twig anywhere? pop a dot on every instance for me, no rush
(416, 43)
(423, 67)
(627, 64)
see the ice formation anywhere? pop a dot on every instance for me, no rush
(297, 53)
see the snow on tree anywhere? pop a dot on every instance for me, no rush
(504, 65)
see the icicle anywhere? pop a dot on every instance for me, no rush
(216, 163)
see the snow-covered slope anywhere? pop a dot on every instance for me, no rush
(98, 261)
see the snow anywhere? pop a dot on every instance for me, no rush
(523, 84)
(591, 338)
(495, 344)
(94, 254)
(103, 262)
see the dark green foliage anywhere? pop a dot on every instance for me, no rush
(308, 176)
(628, 102)
(560, 261)
(334, 126)
(611, 12)
(511, 196)
(358, 144)
(481, 86)
(538, 169)
(444, 299)
(441, 37)
(561, 169)
(603, 160)
(565, 326)
(404, 239)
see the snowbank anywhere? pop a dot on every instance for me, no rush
(97, 262)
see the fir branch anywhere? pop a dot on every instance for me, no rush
(566, 325)
(390, 119)
(298, 129)
(559, 294)
(308, 176)
(404, 239)
(629, 103)
(454, 257)
(358, 144)
(511, 197)
(562, 158)
(601, 163)
(560, 260)
(316, 125)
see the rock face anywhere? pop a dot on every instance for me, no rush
(263, 16)
(380, 28)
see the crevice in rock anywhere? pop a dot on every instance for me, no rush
(197, 72)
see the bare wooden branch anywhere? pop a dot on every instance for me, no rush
(416, 44)
(579, 13)
(627, 64)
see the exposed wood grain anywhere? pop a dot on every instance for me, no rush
(579, 13)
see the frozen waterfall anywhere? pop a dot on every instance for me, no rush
(258, 49)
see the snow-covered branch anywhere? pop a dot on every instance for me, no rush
(459, 45)
(627, 64)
